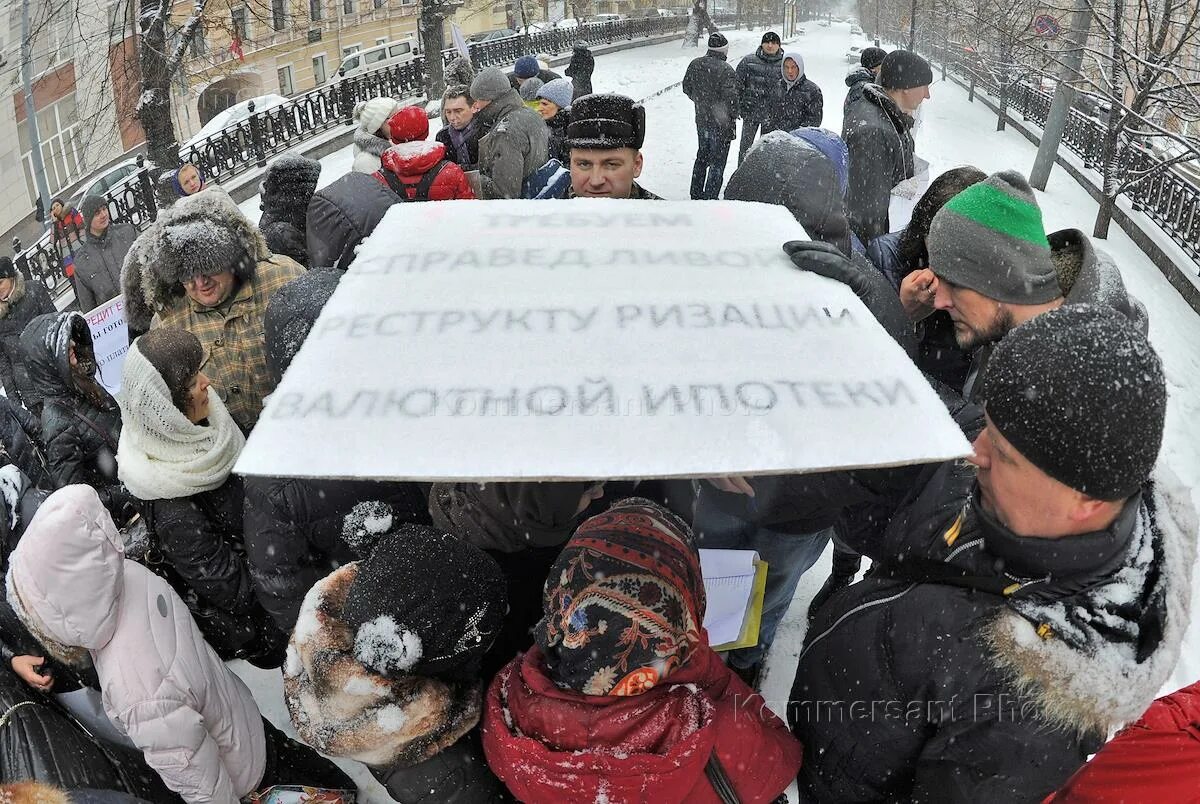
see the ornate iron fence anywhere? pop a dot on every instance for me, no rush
(248, 143)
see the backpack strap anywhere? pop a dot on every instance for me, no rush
(426, 182)
(393, 181)
(720, 781)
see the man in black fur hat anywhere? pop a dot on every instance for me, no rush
(605, 135)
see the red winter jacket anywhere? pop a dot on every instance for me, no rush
(1155, 759)
(409, 161)
(555, 746)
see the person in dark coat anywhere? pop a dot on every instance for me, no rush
(80, 421)
(298, 530)
(865, 72)
(177, 451)
(98, 261)
(286, 190)
(343, 214)
(711, 84)
(21, 443)
(758, 88)
(800, 103)
(554, 105)
(21, 300)
(384, 665)
(877, 132)
(580, 70)
(459, 134)
(1010, 598)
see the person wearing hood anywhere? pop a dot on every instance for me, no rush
(98, 261)
(458, 132)
(21, 300)
(992, 267)
(384, 665)
(370, 141)
(870, 61)
(621, 698)
(286, 189)
(196, 722)
(878, 133)
(298, 530)
(341, 215)
(204, 268)
(1023, 603)
(513, 140)
(416, 169)
(758, 88)
(580, 70)
(800, 103)
(554, 105)
(81, 423)
(176, 454)
(711, 84)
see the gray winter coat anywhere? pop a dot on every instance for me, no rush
(856, 80)
(881, 156)
(1088, 276)
(513, 143)
(98, 265)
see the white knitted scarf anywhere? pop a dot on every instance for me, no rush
(161, 455)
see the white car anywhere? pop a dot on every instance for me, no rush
(234, 114)
(104, 181)
(854, 54)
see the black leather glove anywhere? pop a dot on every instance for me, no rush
(869, 285)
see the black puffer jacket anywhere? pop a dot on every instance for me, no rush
(881, 156)
(557, 147)
(81, 423)
(41, 742)
(580, 70)
(711, 84)
(758, 84)
(342, 215)
(298, 531)
(856, 80)
(977, 665)
(21, 444)
(799, 106)
(28, 300)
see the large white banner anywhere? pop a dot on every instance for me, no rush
(110, 339)
(592, 339)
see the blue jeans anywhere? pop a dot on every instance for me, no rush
(708, 174)
(788, 556)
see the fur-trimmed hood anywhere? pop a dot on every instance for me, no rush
(1105, 652)
(1087, 275)
(14, 298)
(344, 710)
(153, 274)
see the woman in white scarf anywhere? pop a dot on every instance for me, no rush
(176, 453)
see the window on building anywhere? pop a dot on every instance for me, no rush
(319, 74)
(348, 49)
(286, 84)
(237, 23)
(347, 6)
(379, 4)
(381, 40)
(279, 14)
(315, 11)
(62, 146)
(199, 46)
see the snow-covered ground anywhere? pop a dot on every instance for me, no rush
(950, 132)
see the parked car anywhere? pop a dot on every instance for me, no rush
(487, 36)
(855, 30)
(854, 54)
(400, 51)
(603, 18)
(800, 31)
(234, 114)
(105, 180)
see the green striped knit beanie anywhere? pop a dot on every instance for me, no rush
(990, 238)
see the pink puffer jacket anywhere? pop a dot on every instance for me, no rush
(196, 722)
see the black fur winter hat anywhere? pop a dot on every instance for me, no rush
(604, 122)
(290, 181)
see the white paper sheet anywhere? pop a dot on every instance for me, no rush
(728, 583)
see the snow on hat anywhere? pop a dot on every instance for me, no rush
(205, 247)
(1080, 392)
(990, 238)
(903, 69)
(290, 179)
(373, 113)
(634, 566)
(872, 57)
(91, 206)
(425, 603)
(526, 67)
(490, 84)
(604, 122)
(718, 42)
(291, 313)
(771, 36)
(529, 89)
(559, 92)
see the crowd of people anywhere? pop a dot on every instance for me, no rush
(544, 642)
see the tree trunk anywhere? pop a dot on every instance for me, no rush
(154, 106)
(1104, 217)
(431, 42)
(1002, 118)
(1108, 172)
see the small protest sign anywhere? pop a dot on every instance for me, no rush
(110, 340)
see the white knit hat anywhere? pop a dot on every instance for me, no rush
(372, 114)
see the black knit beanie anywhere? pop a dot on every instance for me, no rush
(90, 206)
(872, 57)
(176, 355)
(8, 269)
(903, 69)
(1080, 392)
(290, 181)
(425, 604)
(771, 36)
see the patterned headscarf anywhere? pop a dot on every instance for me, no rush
(624, 603)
